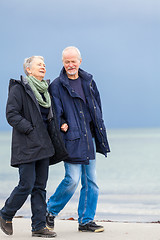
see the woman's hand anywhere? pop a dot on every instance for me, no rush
(64, 127)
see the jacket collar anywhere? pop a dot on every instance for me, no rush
(86, 78)
(82, 74)
(24, 82)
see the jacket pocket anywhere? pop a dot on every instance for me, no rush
(72, 134)
(73, 144)
(32, 139)
(18, 145)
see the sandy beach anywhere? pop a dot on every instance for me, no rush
(67, 230)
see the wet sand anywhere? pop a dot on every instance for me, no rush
(67, 230)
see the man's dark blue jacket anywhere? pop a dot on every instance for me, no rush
(68, 107)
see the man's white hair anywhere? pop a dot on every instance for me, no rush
(71, 48)
(28, 62)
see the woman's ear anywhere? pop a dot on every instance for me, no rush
(28, 70)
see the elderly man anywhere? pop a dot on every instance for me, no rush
(79, 113)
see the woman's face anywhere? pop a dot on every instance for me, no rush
(37, 69)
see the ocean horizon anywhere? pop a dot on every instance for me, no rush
(128, 179)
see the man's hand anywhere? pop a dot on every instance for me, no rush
(64, 127)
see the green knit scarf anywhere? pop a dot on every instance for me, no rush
(40, 87)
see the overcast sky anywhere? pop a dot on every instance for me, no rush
(120, 45)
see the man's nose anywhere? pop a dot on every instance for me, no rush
(70, 64)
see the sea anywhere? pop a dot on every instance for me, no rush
(128, 179)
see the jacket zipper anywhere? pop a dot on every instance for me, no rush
(84, 123)
(83, 119)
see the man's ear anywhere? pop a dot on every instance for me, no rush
(80, 61)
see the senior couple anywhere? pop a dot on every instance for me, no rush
(52, 123)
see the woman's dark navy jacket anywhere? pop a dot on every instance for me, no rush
(30, 138)
(69, 109)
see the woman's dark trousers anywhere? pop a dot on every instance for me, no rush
(33, 178)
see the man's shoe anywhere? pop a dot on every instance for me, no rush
(45, 233)
(6, 226)
(50, 220)
(91, 227)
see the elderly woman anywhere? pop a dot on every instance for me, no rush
(28, 110)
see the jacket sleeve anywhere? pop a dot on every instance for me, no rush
(54, 91)
(97, 95)
(14, 111)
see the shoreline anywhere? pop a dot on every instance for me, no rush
(96, 220)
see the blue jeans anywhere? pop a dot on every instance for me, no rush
(88, 195)
(33, 179)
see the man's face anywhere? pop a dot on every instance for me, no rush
(71, 63)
